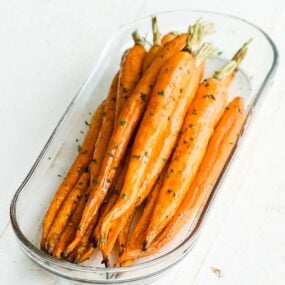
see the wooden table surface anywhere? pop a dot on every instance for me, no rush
(47, 50)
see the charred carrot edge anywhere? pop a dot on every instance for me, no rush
(127, 122)
(220, 147)
(79, 165)
(69, 205)
(180, 71)
(204, 113)
(130, 72)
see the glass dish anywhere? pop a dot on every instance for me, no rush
(33, 196)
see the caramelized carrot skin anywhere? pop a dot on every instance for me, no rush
(219, 149)
(201, 118)
(79, 165)
(127, 122)
(130, 73)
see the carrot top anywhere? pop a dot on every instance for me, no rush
(138, 39)
(155, 32)
(229, 69)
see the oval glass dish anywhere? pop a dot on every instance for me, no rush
(34, 195)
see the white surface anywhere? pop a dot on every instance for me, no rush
(47, 50)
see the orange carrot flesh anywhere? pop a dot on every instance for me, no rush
(219, 149)
(81, 162)
(202, 116)
(178, 79)
(127, 122)
(66, 210)
(130, 73)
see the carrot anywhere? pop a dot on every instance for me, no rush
(130, 72)
(69, 232)
(79, 165)
(106, 130)
(202, 116)
(168, 37)
(66, 210)
(127, 122)
(177, 84)
(219, 149)
(151, 54)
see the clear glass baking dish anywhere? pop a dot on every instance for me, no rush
(33, 196)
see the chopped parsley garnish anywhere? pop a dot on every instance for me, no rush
(210, 96)
(122, 122)
(110, 154)
(143, 96)
(124, 195)
(125, 90)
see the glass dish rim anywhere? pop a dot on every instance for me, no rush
(184, 246)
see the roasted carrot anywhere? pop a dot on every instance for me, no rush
(66, 210)
(151, 54)
(127, 122)
(79, 165)
(176, 85)
(130, 71)
(219, 149)
(105, 131)
(201, 118)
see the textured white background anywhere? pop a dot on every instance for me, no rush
(47, 49)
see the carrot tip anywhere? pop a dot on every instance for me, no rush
(145, 246)
(106, 262)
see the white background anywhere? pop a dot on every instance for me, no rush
(47, 49)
